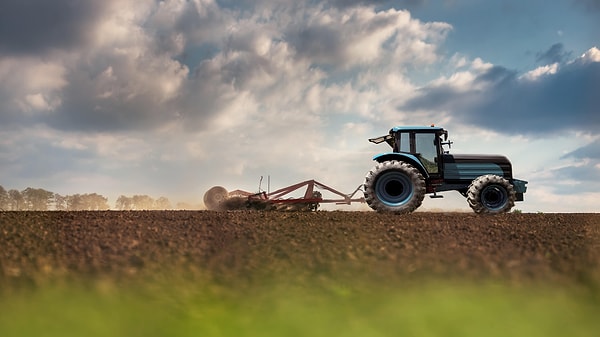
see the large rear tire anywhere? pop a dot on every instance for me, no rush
(394, 186)
(491, 194)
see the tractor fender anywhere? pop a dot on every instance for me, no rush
(405, 157)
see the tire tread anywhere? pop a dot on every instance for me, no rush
(413, 173)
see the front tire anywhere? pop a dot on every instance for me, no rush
(394, 186)
(491, 194)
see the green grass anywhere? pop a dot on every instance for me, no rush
(325, 308)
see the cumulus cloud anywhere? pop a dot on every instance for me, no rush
(556, 99)
(115, 80)
(145, 64)
(360, 35)
(29, 27)
(30, 89)
(402, 3)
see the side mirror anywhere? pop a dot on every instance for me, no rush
(446, 142)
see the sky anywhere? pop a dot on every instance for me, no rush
(169, 98)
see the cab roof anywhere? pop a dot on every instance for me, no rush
(416, 128)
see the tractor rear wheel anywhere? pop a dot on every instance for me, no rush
(394, 186)
(491, 194)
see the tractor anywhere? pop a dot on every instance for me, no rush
(418, 165)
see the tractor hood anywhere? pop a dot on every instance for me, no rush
(470, 166)
(478, 158)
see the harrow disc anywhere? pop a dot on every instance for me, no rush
(214, 198)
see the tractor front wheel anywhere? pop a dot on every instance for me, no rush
(491, 194)
(394, 186)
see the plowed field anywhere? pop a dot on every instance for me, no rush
(244, 248)
(251, 273)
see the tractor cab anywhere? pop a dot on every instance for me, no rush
(419, 144)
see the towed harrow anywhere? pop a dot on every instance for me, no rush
(218, 198)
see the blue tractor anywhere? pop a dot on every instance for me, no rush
(418, 165)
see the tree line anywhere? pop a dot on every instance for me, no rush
(38, 199)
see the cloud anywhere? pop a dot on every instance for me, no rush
(116, 80)
(555, 54)
(144, 65)
(174, 24)
(30, 89)
(399, 4)
(361, 36)
(342, 4)
(589, 151)
(130, 92)
(543, 102)
(592, 5)
(30, 27)
(581, 178)
(575, 173)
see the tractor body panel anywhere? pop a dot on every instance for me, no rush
(465, 168)
(406, 157)
(520, 187)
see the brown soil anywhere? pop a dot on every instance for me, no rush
(251, 246)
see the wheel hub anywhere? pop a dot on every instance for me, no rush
(494, 197)
(394, 189)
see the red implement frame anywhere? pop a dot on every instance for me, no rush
(278, 196)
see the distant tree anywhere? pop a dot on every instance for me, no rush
(36, 199)
(60, 202)
(40, 200)
(3, 198)
(15, 200)
(74, 202)
(124, 203)
(94, 202)
(162, 203)
(142, 202)
(86, 202)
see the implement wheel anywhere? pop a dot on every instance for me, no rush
(394, 186)
(215, 197)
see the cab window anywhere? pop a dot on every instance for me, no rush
(404, 142)
(426, 150)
